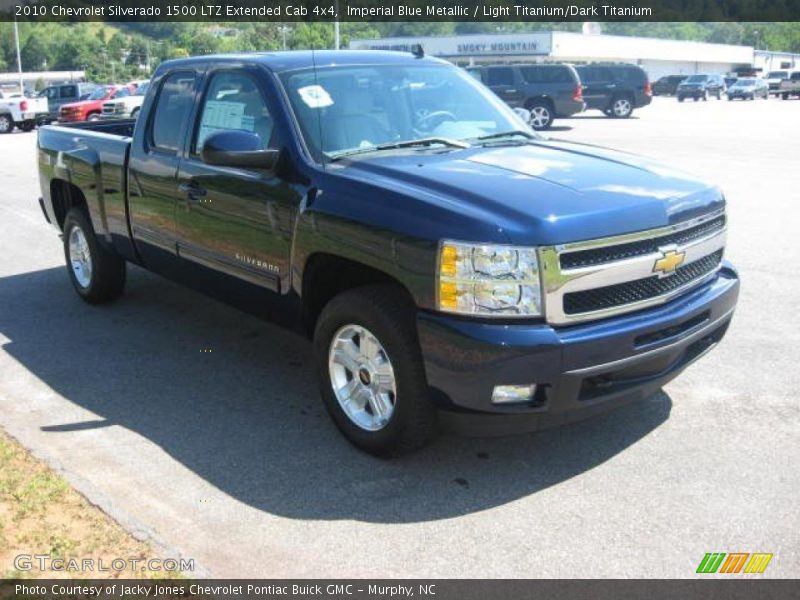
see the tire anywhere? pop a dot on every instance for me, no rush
(134, 113)
(784, 96)
(93, 117)
(541, 115)
(681, 98)
(97, 274)
(409, 420)
(705, 96)
(621, 107)
(28, 126)
(696, 98)
(6, 124)
(729, 99)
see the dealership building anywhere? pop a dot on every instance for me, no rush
(656, 56)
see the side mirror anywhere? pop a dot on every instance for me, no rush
(523, 114)
(237, 148)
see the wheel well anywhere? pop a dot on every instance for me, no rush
(531, 102)
(326, 276)
(65, 196)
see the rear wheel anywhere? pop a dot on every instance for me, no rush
(6, 124)
(28, 126)
(621, 107)
(370, 370)
(97, 274)
(541, 115)
(681, 98)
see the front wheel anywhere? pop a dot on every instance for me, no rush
(681, 98)
(370, 371)
(541, 116)
(6, 124)
(134, 113)
(97, 274)
(94, 117)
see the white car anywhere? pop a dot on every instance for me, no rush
(127, 107)
(22, 112)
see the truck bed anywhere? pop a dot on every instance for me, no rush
(93, 157)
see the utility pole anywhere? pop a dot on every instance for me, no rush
(336, 25)
(19, 58)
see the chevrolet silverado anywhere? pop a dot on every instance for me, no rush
(451, 266)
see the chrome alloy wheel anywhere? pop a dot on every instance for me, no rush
(540, 117)
(362, 377)
(622, 106)
(5, 124)
(80, 258)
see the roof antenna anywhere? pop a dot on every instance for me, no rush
(418, 51)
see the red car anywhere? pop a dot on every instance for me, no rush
(91, 108)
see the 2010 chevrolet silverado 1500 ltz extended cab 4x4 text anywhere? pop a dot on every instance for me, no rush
(449, 264)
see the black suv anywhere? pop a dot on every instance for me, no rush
(615, 89)
(668, 85)
(547, 91)
(702, 86)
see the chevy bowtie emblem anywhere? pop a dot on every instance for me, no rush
(669, 261)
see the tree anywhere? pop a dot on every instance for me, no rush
(34, 53)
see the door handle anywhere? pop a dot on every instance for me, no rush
(193, 191)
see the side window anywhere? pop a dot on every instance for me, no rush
(234, 102)
(531, 74)
(69, 91)
(51, 93)
(500, 76)
(477, 74)
(174, 102)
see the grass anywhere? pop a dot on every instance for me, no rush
(41, 514)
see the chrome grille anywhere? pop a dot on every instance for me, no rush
(610, 276)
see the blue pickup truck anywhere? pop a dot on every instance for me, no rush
(451, 266)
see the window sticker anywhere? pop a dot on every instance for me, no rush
(315, 96)
(220, 115)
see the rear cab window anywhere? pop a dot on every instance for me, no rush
(171, 109)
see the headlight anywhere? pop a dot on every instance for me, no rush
(489, 280)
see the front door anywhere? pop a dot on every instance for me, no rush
(237, 221)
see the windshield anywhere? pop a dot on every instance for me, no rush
(744, 82)
(777, 75)
(697, 79)
(142, 89)
(344, 110)
(98, 94)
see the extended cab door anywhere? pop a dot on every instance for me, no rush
(153, 169)
(237, 221)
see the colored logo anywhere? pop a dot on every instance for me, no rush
(734, 562)
(669, 261)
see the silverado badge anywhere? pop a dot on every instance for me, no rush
(669, 261)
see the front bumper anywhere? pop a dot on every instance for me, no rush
(580, 371)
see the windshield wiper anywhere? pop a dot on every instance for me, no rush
(503, 134)
(422, 142)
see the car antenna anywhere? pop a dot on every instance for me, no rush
(418, 51)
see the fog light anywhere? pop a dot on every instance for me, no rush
(511, 394)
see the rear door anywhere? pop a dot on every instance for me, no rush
(153, 170)
(237, 221)
(598, 86)
(504, 83)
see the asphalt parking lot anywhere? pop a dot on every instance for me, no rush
(228, 457)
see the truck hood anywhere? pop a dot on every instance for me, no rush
(544, 192)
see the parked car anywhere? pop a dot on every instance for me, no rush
(701, 86)
(447, 262)
(790, 87)
(749, 88)
(58, 95)
(667, 85)
(125, 107)
(91, 108)
(546, 91)
(774, 79)
(22, 112)
(615, 89)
